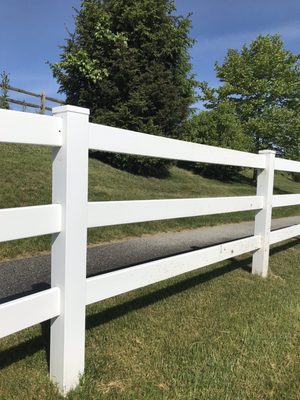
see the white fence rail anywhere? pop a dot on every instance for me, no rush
(104, 213)
(70, 215)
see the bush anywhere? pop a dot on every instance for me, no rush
(221, 128)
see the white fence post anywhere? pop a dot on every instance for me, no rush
(70, 180)
(263, 218)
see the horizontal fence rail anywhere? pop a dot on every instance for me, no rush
(287, 165)
(122, 281)
(105, 138)
(24, 222)
(24, 103)
(285, 233)
(69, 216)
(26, 128)
(33, 94)
(106, 213)
(29, 310)
(284, 200)
(42, 96)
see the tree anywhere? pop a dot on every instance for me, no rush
(219, 127)
(4, 85)
(262, 81)
(128, 62)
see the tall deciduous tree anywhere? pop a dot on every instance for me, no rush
(262, 81)
(128, 62)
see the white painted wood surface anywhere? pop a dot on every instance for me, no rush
(29, 310)
(285, 233)
(117, 140)
(104, 213)
(263, 218)
(283, 200)
(23, 222)
(68, 261)
(117, 282)
(27, 128)
(282, 164)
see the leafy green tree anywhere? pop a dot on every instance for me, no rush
(219, 127)
(128, 62)
(4, 103)
(262, 81)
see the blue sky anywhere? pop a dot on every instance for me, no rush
(32, 30)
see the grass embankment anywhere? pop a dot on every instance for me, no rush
(216, 334)
(25, 176)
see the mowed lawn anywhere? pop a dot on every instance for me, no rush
(218, 333)
(215, 334)
(25, 176)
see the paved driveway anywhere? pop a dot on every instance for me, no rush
(26, 276)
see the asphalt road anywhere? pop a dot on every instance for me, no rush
(30, 275)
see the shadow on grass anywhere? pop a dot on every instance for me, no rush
(186, 284)
(277, 190)
(158, 295)
(28, 348)
(42, 342)
(134, 165)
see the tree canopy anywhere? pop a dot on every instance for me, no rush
(219, 127)
(262, 82)
(128, 61)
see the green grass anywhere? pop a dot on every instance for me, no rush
(25, 175)
(215, 334)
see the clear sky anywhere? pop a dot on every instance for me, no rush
(32, 30)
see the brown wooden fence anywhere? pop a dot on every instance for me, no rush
(43, 99)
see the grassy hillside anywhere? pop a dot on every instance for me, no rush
(25, 176)
(214, 334)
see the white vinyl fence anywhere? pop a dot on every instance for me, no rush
(71, 135)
